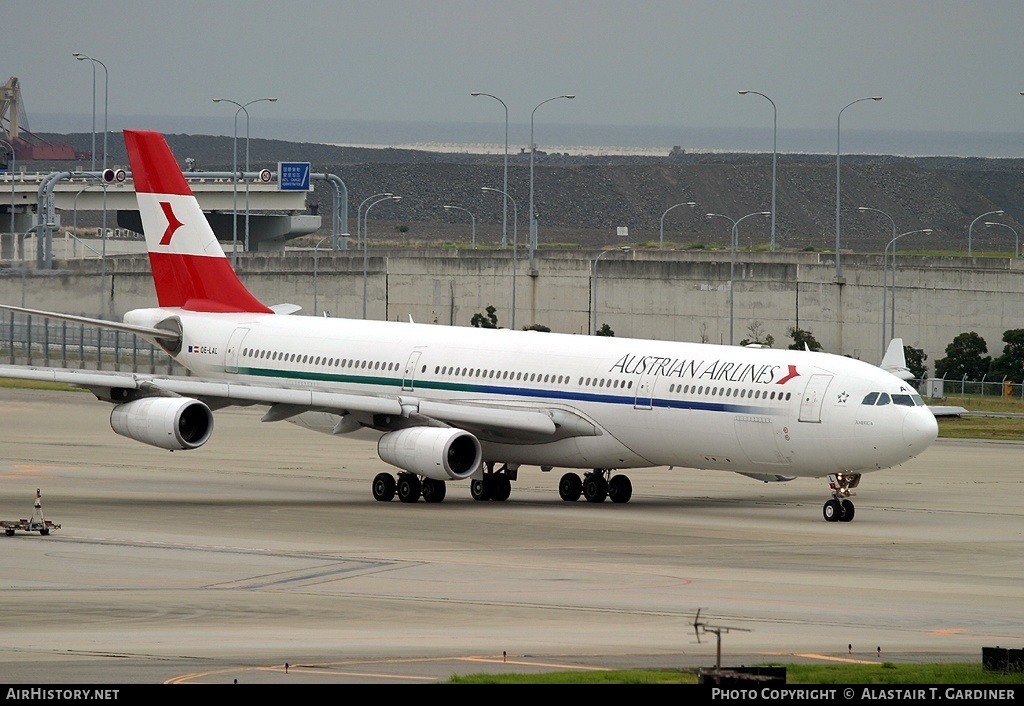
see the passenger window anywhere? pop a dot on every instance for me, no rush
(883, 399)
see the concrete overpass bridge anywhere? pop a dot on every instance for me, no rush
(253, 213)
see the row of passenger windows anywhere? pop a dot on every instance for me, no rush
(279, 356)
(872, 398)
(883, 398)
(351, 363)
(499, 374)
(742, 392)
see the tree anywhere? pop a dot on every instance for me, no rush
(758, 336)
(801, 339)
(605, 330)
(1010, 365)
(537, 327)
(915, 362)
(489, 321)
(964, 358)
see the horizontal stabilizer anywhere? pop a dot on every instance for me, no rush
(165, 335)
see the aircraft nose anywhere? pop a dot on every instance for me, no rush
(920, 429)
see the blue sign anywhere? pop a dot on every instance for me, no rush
(293, 176)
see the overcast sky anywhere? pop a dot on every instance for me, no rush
(949, 66)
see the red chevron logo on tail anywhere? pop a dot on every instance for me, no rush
(172, 223)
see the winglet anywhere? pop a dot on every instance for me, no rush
(895, 360)
(190, 270)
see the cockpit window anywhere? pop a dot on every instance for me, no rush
(904, 400)
(883, 398)
(918, 400)
(870, 399)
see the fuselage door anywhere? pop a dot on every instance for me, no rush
(645, 391)
(814, 395)
(409, 376)
(234, 348)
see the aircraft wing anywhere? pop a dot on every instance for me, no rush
(489, 420)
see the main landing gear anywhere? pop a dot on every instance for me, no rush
(495, 485)
(595, 486)
(840, 507)
(409, 487)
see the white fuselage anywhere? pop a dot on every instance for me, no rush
(634, 403)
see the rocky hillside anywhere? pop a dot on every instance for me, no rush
(584, 200)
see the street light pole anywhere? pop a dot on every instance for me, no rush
(892, 322)
(661, 240)
(74, 220)
(471, 217)
(359, 213)
(515, 246)
(242, 108)
(366, 240)
(732, 264)
(504, 213)
(838, 119)
(316, 263)
(775, 153)
(103, 232)
(1016, 247)
(885, 269)
(970, 229)
(83, 57)
(593, 287)
(533, 150)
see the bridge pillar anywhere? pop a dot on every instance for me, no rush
(22, 222)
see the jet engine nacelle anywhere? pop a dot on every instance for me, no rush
(439, 453)
(175, 423)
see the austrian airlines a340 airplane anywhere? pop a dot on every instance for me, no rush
(473, 404)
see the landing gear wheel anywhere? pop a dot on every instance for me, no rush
(44, 532)
(847, 515)
(384, 487)
(501, 488)
(570, 487)
(409, 488)
(595, 488)
(9, 532)
(481, 489)
(832, 510)
(620, 489)
(434, 490)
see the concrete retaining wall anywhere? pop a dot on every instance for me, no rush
(676, 295)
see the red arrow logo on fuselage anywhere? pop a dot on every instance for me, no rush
(792, 374)
(172, 223)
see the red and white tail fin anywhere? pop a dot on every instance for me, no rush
(190, 270)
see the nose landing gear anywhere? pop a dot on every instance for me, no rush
(840, 507)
